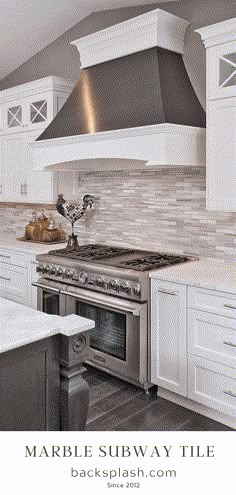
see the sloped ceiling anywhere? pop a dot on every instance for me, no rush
(28, 26)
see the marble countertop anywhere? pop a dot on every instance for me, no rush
(20, 325)
(208, 274)
(8, 241)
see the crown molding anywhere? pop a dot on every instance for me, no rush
(217, 34)
(50, 83)
(154, 28)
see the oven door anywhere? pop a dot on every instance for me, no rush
(118, 343)
(49, 297)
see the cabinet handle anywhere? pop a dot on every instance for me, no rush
(228, 392)
(230, 344)
(167, 292)
(229, 306)
(4, 278)
(5, 256)
(22, 189)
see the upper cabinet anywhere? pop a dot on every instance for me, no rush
(33, 105)
(25, 111)
(219, 40)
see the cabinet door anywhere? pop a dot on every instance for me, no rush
(14, 169)
(221, 155)
(39, 110)
(41, 186)
(168, 336)
(13, 116)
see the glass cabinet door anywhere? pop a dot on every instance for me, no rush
(38, 111)
(14, 116)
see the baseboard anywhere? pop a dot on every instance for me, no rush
(197, 407)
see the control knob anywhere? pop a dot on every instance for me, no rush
(83, 277)
(53, 270)
(113, 285)
(124, 287)
(47, 268)
(59, 272)
(40, 268)
(69, 273)
(136, 290)
(99, 282)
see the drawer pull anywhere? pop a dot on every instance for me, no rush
(167, 292)
(229, 306)
(4, 278)
(5, 256)
(230, 344)
(228, 392)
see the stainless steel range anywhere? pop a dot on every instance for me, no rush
(111, 286)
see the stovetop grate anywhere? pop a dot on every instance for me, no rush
(151, 262)
(91, 252)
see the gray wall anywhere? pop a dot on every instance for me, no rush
(61, 59)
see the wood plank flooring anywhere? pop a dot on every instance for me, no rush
(117, 405)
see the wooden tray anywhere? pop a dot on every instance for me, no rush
(40, 242)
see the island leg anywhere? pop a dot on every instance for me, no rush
(74, 392)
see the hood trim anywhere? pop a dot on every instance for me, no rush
(155, 145)
(154, 28)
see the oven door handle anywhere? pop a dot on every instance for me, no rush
(46, 287)
(123, 306)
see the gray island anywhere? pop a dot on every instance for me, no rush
(41, 360)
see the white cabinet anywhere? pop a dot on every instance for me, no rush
(26, 111)
(219, 40)
(14, 168)
(193, 348)
(17, 272)
(212, 349)
(169, 336)
(14, 276)
(213, 385)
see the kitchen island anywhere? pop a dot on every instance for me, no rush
(41, 360)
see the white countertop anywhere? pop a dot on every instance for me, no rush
(8, 241)
(208, 274)
(20, 325)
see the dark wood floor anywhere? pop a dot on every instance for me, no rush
(116, 405)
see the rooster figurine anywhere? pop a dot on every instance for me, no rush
(73, 212)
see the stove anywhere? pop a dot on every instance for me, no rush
(118, 271)
(110, 285)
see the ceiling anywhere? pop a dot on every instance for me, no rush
(27, 26)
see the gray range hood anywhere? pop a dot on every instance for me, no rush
(133, 104)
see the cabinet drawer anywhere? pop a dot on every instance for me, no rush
(213, 301)
(13, 283)
(13, 257)
(212, 384)
(212, 337)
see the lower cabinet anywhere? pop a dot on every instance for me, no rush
(17, 272)
(30, 387)
(193, 347)
(169, 336)
(212, 384)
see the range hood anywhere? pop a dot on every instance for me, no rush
(133, 105)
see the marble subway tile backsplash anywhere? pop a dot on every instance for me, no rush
(161, 209)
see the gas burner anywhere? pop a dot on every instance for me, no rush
(91, 252)
(152, 261)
